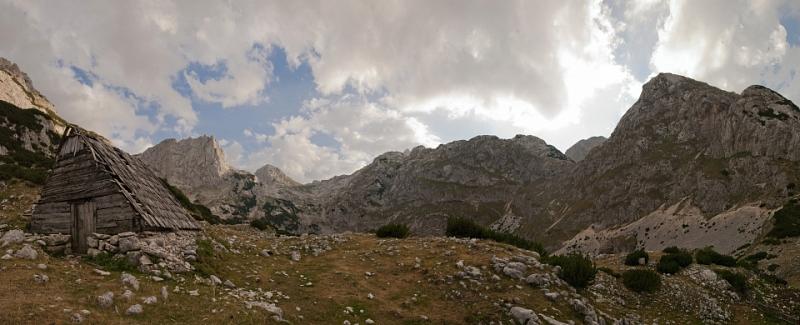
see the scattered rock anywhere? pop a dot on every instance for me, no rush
(214, 280)
(26, 252)
(40, 278)
(134, 310)
(296, 256)
(76, 318)
(150, 300)
(128, 295)
(164, 293)
(229, 284)
(270, 308)
(524, 316)
(13, 236)
(101, 272)
(105, 300)
(41, 266)
(130, 280)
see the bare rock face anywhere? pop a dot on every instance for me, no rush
(28, 122)
(682, 141)
(17, 89)
(580, 149)
(422, 187)
(271, 175)
(190, 163)
(197, 167)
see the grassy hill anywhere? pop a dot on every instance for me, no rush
(356, 277)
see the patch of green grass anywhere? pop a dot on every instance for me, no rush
(393, 230)
(641, 280)
(465, 228)
(576, 269)
(633, 257)
(609, 272)
(108, 262)
(708, 256)
(786, 221)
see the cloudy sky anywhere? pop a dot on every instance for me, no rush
(319, 88)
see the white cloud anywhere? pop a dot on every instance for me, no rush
(390, 75)
(728, 44)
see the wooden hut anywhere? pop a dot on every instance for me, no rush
(95, 187)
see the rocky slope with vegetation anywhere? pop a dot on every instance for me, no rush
(247, 276)
(688, 164)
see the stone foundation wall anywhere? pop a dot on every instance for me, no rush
(155, 253)
(151, 252)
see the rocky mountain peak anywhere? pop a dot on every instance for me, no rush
(580, 149)
(17, 88)
(271, 175)
(191, 160)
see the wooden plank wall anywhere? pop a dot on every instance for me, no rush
(76, 177)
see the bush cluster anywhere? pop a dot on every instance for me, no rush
(786, 221)
(675, 260)
(737, 280)
(576, 269)
(260, 224)
(465, 228)
(641, 280)
(708, 256)
(632, 258)
(393, 230)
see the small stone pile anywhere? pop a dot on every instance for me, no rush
(152, 252)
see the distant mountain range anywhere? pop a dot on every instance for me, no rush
(688, 165)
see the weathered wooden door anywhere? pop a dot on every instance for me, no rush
(83, 225)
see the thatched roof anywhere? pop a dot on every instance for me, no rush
(146, 193)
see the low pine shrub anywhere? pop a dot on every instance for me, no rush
(465, 228)
(667, 265)
(393, 230)
(786, 221)
(632, 258)
(260, 224)
(576, 269)
(737, 280)
(708, 256)
(640, 280)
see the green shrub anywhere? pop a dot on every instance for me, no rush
(465, 228)
(393, 230)
(787, 221)
(672, 250)
(772, 267)
(682, 257)
(708, 256)
(632, 259)
(737, 280)
(667, 265)
(260, 224)
(640, 280)
(108, 262)
(757, 256)
(576, 269)
(198, 211)
(772, 241)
